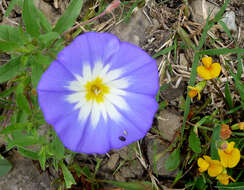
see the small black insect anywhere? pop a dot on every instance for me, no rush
(122, 138)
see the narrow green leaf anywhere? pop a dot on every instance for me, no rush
(239, 66)
(188, 99)
(68, 177)
(31, 18)
(28, 153)
(37, 70)
(228, 95)
(42, 157)
(232, 186)
(22, 141)
(68, 18)
(21, 100)
(163, 51)
(48, 38)
(214, 142)
(10, 38)
(194, 142)
(221, 51)
(16, 127)
(46, 26)
(226, 29)
(5, 167)
(173, 161)
(7, 92)
(139, 185)
(56, 148)
(10, 69)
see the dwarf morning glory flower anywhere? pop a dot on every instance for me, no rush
(100, 93)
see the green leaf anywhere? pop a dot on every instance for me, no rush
(48, 38)
(31, 18)
(221, 51)
(228, 95)
(5, 167)
(68, 18)
(28, 153)
(24, 141)
(163, 51)
(21, 100)
(37, 70)
(143, 185)
(46, 26)
(194, 142)
(16, 127)
(214, 142)
(56, 148)
(10, 38)
(173, 161)
(68, 177)
(232, 186)
(42, 157)
(226, 29)
(10, 69)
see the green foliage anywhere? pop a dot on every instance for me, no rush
(194, 142)
(69, 16)
(31, 18)
(69, 179)
(132, 185)
(173, 161)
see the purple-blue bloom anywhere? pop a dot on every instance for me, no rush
(100, 93)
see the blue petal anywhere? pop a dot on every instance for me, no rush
(54, 105)
(88, 49)
(55, 78)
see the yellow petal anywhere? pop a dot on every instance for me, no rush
(215, 168)
(203, 165)
(204, 72)
(223, 158)
(235, 158)
(207, 61)
(230, 147)
(223, 179)
(215, 70)
(192, 93)
(207, 158)
(229, 160)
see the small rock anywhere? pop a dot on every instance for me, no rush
(229, 19)
(168, 123)
(173, 93)
(133, 31)
(197, 10)
(24, 175)
(113, 160)
(134, 169)
(154, 147)
(126, 153)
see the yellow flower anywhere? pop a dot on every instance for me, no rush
(224, 178)
(214, 167)
(208, 70)
(241, 125)
(229, 156)
(196, 90)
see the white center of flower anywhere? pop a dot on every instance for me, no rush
(98, 92)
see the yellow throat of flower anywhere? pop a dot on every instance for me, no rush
(95, 90)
